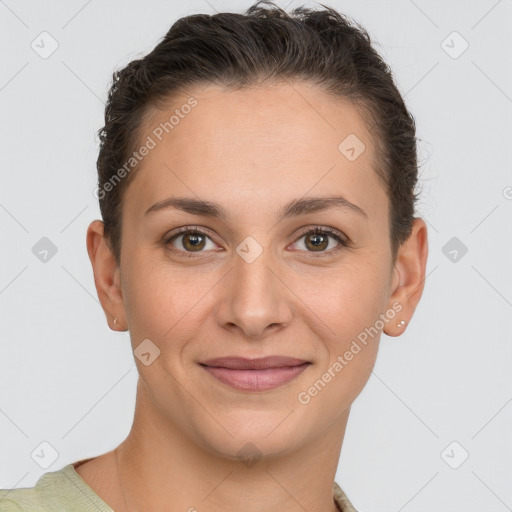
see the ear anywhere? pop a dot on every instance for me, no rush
(106, 276)
(408, 278)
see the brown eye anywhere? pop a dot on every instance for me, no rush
(318, 240)
(188, 241)
(193, 241)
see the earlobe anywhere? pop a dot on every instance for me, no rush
(409, 279)
(106, 274)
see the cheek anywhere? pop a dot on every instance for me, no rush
(154, 297)
(347, 298)
(350, 303)
(166, 304)
(349, 372)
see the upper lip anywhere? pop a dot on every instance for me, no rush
(242, 363)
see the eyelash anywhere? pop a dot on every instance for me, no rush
(317, 230)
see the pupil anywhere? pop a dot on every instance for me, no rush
(193, 240)
(317, 240)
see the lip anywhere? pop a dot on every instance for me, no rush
(259, 374)
(260, 363)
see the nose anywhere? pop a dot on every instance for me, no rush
(255, 300)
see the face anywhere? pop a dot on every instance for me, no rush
(257, 280)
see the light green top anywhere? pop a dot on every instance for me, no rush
(65, 491)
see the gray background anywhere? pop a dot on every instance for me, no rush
(67, 380)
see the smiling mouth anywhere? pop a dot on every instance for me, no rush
(260, 374)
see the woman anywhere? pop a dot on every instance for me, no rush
(256, 181)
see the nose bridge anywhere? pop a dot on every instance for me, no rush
(255, 298)
(254, 282)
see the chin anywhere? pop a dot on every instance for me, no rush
(255, 434)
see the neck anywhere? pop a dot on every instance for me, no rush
(161, 467)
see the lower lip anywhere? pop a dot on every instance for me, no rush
(256, 380)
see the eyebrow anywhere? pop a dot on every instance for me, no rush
(292, 209)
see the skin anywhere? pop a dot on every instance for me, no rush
(252, 152)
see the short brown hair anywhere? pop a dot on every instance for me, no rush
(265, 44)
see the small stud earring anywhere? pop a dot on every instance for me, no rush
(401, 324)
(115, 321)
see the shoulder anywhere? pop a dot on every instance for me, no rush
(6, 505)
(58, 491)
(341, 499)
(19, 500)
(39, 498)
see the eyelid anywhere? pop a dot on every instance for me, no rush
(323, 230)
(167, 239)
(341, 238)
(343, 241)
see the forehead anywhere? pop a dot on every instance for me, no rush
(278, 114)
(272, 141)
